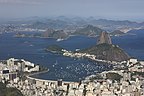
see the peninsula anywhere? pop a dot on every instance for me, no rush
(105, 50)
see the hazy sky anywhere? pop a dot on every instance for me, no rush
(121, 9)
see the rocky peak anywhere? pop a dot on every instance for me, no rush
(89, 30)
(104, 38)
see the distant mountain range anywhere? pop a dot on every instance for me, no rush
(72, 23)
(62, 27)
(88, 30)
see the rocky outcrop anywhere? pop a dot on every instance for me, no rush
(47, 33)
(105, 50)
(88, 31)
(59, 34)
(104, 38)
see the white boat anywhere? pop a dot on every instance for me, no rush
(59, 39)
(55, 64)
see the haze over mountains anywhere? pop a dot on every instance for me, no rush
(62, 27)
(62, 22)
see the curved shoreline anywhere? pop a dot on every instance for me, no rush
(36, 73)
(88, 56)
(30, 76)
(45, 80)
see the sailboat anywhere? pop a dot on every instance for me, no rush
(55, 63)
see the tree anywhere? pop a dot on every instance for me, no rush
(4, 91)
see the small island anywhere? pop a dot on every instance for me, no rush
(54, 49)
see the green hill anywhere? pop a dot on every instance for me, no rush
(54, 49)
(59, 34)
(4, 91)
(117, 33)
(107, 52)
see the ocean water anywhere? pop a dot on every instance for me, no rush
(71, 69)
(132, 44)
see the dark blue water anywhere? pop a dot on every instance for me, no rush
(32, 49)
(132, 44)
